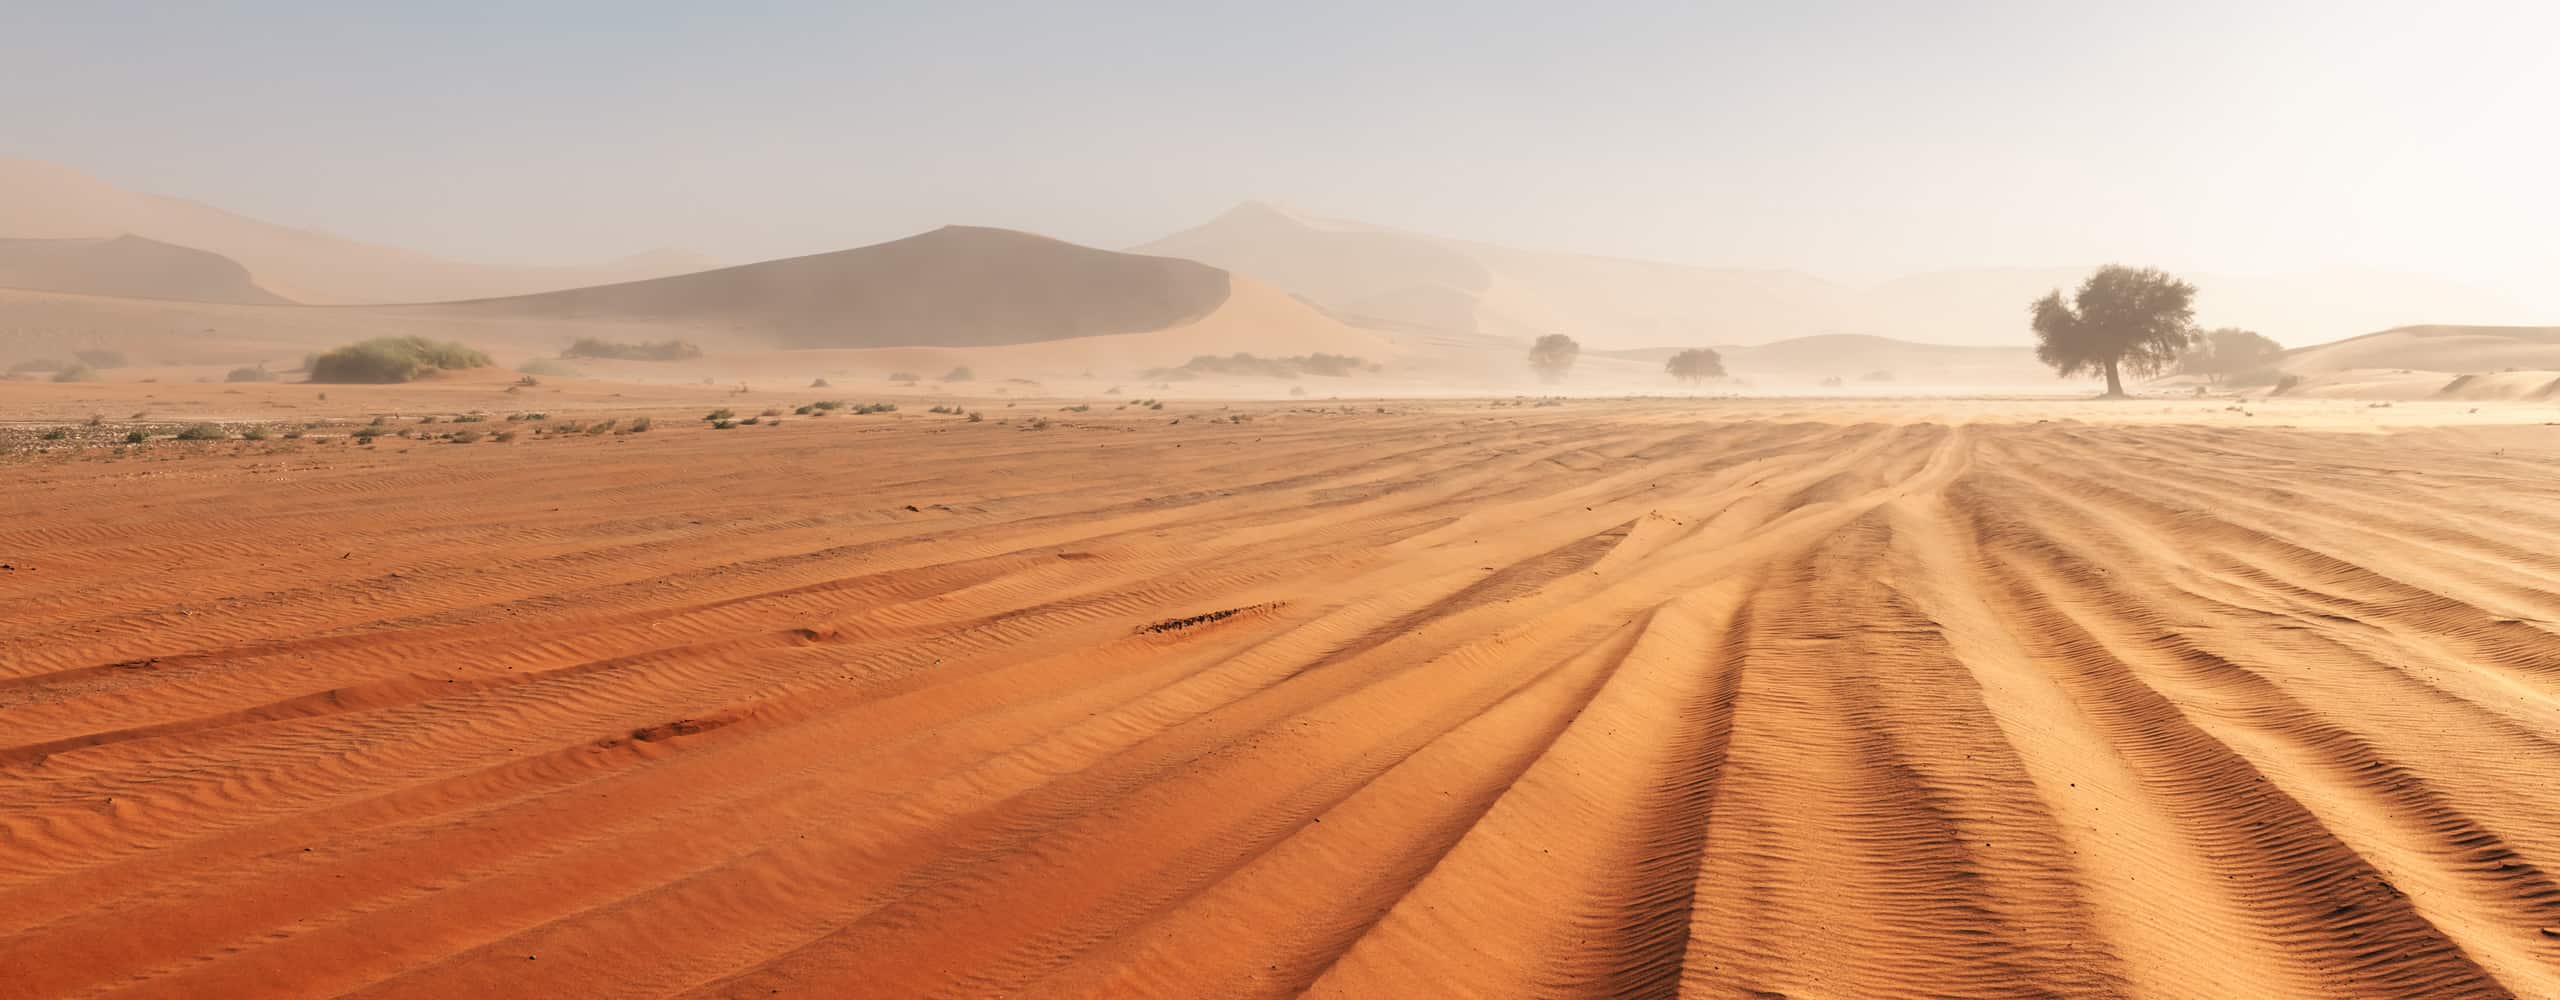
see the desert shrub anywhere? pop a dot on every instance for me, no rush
(76, 373)
(2287, 383)
(960, 374)
(1078, 408)
(829, 404)
(720, 414)
(377, 421)
(639, 425)
(750, 421)
(55, 434)
(804, 409)
(975, 416)
(1240, 363)
(876, 408)
(469, 418)
(905, 377)
(253, 373)
(503, 437)
(294, 434)
(603, 426)
(36, 365)
(392, 359)
(658, 350)
(463, 437)
(722, 425)
(1036, 424)
(135, 437)
(254, 434)
(428, 419)
(771, 412)
(202, 432)
(544, 369)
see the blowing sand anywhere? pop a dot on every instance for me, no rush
(1818, 700)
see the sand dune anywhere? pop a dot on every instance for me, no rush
(47, 201)
(2457, 349)
(958, 286)
(1450, 700)
(128, 267)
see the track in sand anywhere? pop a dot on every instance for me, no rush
(1601, 700)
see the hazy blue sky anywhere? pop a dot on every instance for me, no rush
(1850, 140)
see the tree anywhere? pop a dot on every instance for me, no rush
(2122, 319)
(1553, 355)
(1694, 364)
(2223, 353)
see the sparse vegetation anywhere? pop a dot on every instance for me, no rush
(960, 374)
(720, 414)
(546, 366)
(1553, 355)
(876, 408)
(975, 416)
(1695, 365)
(658, 350)
(252, 373)
(722, 425)
(76, 373)
(384, 360)
(828, 404)
(135, 437)
(202, 432)
(1240, 363)
(639, 425)
(905, 377)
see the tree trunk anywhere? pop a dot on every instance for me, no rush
(2115, 386)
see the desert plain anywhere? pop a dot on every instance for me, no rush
(1331, 697)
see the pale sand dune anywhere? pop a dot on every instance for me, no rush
(128, 267)
(41, 200)
(1920, 698)
(2456, 349)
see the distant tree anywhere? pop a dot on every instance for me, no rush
(1553, 355)
(1695, 364)
(2227, 352)
(2122, 319)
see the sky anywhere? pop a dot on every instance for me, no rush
(1851, 140)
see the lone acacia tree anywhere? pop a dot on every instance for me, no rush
(2131, 319)
(2227, 352)
(1553, 355)
(1694, 364)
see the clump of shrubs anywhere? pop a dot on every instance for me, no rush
(202, 432)
(722, 425)
(135, 437)
(876, 408)
(252, 373)
(721, 414)
(384, 360)
(659, 350)
(975, 416)
(639, 425)
(829, 404)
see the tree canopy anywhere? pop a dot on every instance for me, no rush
(1553, 355)
(1694, 364)
(2122, 319)
(2229, 351)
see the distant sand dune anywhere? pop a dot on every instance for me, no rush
(128, 267)
(1594, 700)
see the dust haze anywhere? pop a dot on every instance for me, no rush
(1166, 514)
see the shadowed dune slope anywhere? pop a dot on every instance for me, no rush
(41, 200)
(128, 267)
(959, 286)
(1600, 700)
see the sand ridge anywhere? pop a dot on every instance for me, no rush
(1643, 698)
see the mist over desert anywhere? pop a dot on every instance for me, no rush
(1407, 501)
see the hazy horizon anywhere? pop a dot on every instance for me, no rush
(1852, 142)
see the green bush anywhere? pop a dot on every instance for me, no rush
(546, 367)
(662, 350)
(392, 359)
(135, 437)
(76, 373)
